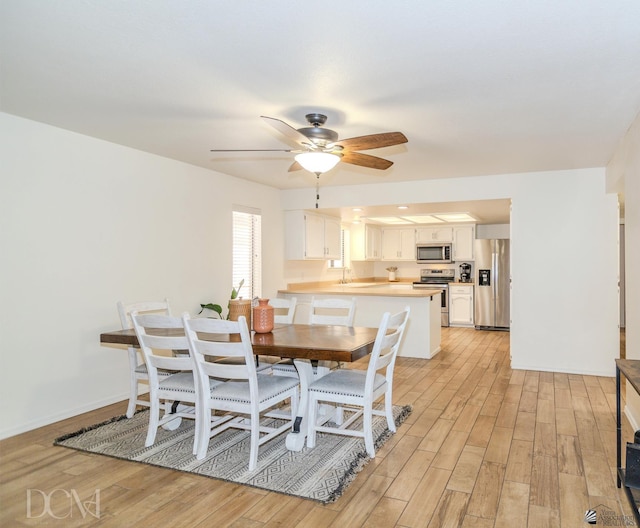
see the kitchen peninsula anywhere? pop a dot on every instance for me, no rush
(422, 334)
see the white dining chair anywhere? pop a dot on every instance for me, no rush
(178, 386)
(332, 311)
(284, 309)
(137, 368)
(355, 391)
(246, 396)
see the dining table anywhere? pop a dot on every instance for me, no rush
(300, 342)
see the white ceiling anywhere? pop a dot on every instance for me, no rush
(478, 88)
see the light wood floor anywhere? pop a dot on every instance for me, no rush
(485, 446)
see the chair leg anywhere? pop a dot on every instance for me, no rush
(368, 430)
(255, 439)
(154, 419)
(133, 383)
(388, 410)
(133, 397)
(205, 428)
(198, 424)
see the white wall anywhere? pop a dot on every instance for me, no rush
(564, 299)
(86, 223)
(623, 175)
(77, 235)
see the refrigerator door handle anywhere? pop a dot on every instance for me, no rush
(496, 275)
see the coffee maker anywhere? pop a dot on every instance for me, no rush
(465, 272)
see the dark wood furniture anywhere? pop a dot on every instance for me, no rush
(333, 343)
(630, 369)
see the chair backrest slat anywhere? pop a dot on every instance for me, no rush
(125, 309)
(284, 309)
(387, 343)
(199, 348)
(337, 311)
(150, 344)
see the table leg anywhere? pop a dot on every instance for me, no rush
(296, 438)
(618, 428)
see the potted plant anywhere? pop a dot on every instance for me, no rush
(392, 273)
(217, 308)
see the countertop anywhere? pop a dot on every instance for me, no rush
(388, 289)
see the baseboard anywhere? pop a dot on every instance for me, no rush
(68, 413)
(630, 417)
(581, 372)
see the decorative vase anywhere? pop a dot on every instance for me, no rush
(238, 307)
(392, 276)
(263, 317)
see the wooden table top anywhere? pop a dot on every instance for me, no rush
(631, 370)
(333, 343)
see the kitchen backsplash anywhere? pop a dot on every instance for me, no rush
(296, 271)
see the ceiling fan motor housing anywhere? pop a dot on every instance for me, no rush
(319, 136)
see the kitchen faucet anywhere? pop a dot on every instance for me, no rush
(344, 280)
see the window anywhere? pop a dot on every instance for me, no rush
(247, 251)
(345, 257)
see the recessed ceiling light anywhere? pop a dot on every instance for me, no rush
(455, 217)
(388, 219)
(403, 207)
(356, 209)
(423, 219)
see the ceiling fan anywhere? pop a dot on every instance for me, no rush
(319, 149)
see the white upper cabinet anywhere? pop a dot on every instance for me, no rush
(311, 236)
(332, 237)
(399, 244)
(463, 240)
(372, 242)
(365, 242)
(434, 234)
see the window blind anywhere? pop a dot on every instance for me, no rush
(247, 253)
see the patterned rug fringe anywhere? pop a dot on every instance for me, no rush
(62, 438)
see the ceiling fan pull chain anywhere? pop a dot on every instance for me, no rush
(317, 188)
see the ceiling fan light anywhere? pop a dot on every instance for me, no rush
(317, 162)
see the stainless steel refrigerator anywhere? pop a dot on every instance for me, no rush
(493, 284)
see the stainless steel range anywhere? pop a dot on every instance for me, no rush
(438, 278)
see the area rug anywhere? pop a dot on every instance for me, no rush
(321, 474)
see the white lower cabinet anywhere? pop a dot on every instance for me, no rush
(461, 305)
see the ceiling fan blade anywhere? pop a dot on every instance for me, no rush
(366, 160)
(373, 141)
(253, 150)
(294, 167)
(288, 131)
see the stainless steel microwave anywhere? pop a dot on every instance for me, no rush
(433, 253)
